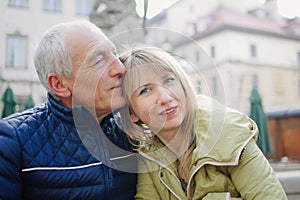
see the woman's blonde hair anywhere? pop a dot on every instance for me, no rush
(154, 60)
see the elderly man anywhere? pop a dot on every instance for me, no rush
(57, 149)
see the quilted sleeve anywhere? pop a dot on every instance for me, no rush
(10, 159)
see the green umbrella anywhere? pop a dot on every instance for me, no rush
(258, 115)
(9, 102)
(29, 103)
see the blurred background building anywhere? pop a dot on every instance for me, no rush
(249, 44)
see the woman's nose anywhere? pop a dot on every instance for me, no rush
(164, 95)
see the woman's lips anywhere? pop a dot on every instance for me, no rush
(170, 111)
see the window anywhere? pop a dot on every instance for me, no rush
(199, 89)
(197, 56)
(191, 29)
(254, 80)
(214, 86)
(298, 58)
(52, 5)
(253, 52)
(84, 7)
(213, 51)
(18, 3)
(202, 24)
(191, 9)
(16, 51)
(299, 88)
(20, 100)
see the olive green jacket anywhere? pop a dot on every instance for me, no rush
(225, 163)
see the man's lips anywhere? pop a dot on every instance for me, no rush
(115, 86)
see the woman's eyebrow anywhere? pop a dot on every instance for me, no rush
(167, 74)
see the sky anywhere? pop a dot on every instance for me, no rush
(154, 6)
(287, 8)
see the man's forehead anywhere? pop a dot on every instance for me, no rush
(102, 47)
(105, 44)
(99, 49)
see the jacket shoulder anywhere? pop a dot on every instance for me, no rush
(222, 132)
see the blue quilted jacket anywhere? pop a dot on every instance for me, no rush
(42, 156)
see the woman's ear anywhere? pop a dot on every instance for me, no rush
(134, 118)
(58, 85)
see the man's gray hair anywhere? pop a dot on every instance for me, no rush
(53, 55)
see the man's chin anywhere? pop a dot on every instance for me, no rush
(117, 103)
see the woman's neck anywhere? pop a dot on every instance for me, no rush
(174, 140)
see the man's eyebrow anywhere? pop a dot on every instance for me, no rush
(92, 54)
(99, 50)
(96, 52)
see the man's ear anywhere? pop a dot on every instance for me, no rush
(58, 85)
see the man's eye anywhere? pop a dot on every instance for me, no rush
(100, 61)
(115, 53)
(145, 90)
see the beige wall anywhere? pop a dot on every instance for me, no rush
(275, 68)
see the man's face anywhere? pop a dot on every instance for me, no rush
(97, 72)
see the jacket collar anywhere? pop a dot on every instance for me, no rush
(59, 110)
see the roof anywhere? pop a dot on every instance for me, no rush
(224, 16)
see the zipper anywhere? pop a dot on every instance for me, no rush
(234, 163)
(161, 166)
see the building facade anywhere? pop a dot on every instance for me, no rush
(230, 47)
(22, 23)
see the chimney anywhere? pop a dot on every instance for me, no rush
(271, 7)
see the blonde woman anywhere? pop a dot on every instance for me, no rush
(192, 146)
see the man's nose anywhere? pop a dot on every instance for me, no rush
(117, 68)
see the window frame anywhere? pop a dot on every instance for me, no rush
(48, 7)
(298, 58)
(253, 50)
(17, 3)
(84, 4)
(13, 63)
(213, 51)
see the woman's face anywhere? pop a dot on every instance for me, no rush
(159, 102)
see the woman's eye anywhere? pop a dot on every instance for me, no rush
(145, 90)
(169, 80)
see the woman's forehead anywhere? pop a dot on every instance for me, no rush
(143, 75)
(150, 68)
